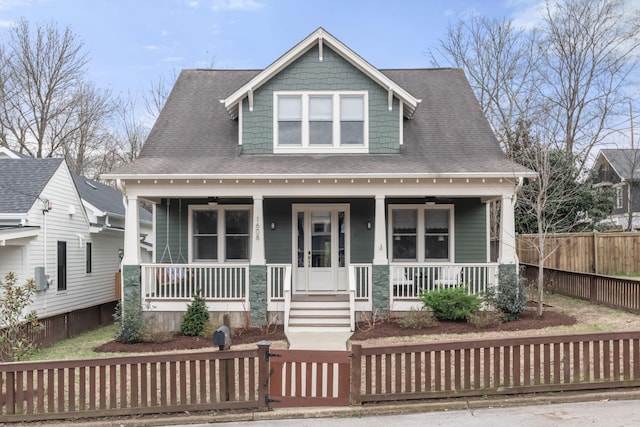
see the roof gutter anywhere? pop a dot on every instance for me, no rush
(447, 175)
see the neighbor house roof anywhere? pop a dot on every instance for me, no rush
(447, 136)
(22, 180)
(104, 198)
(624, 161)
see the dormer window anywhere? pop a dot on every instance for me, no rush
(320, 122)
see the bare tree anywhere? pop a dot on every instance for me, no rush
(126, 139)
(559, 200)
(156, 96)
(88, 144)
(500, 62)
(588, 53)
(41, 88)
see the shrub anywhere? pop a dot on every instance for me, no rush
(509, 296)
(418, 319)
(451, 303)
(153, 331)
(196, 318)
(131, 322)
(486, 318)
(15, 343)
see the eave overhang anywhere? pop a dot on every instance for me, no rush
(321, 38)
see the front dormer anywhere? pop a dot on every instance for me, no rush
(320, 98)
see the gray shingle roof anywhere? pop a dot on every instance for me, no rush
(22, 181)
(625, 161)
(448, 133)
(103, 197)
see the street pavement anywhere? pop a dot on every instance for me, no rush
(601, 413)
(608, 408)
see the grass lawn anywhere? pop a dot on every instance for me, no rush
(79, 347)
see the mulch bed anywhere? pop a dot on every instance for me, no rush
(528, 320)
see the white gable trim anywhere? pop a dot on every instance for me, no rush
(6, 153)
(321, 37)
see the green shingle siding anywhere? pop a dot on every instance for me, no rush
(307, 73)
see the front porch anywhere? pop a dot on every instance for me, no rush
(227, 289)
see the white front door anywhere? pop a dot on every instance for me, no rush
(320, 240)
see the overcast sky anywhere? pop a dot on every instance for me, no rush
(134, 42)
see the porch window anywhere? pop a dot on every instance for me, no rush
(421, 233)
(320, 122)
(405, 227)
(220, 233)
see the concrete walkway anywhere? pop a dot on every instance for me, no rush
(333, 340)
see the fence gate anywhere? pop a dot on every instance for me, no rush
(309, 378)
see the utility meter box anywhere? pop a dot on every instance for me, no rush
(41, 280)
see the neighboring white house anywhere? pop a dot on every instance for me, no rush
(66, 235)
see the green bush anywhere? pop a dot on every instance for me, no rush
(451, 303)
(196, 318)
(131, 322)
(509, 296)
(418, 319)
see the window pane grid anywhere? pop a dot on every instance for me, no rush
(331, 120)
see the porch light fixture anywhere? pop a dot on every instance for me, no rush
(273, 225)
(369, 225)
(212, 201)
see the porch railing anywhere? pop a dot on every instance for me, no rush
(360, 287)
(408, 281)
(171, 282)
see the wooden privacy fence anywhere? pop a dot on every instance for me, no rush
(600, 253)
(615, 292)
(495, 366)
(133, 385)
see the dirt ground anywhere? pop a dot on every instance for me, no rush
(561, 315)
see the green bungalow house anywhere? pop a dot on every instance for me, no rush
(315, 191)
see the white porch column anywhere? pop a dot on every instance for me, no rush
(131, 233)
(507, 231)
(257, 240)
(380, 236)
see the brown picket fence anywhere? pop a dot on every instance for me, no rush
(219, 380)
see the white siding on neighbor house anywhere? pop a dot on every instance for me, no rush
(106, 263)
(12, 258)
(73, 229)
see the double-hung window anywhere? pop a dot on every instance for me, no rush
(219, 234)
(421, 233)
(320, 122)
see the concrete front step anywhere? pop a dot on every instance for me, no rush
(325, 329)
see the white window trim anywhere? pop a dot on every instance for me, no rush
(336, 147)
(221, 232)
(420, 250)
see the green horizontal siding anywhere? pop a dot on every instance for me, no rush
(470, 231)
(278, 242)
